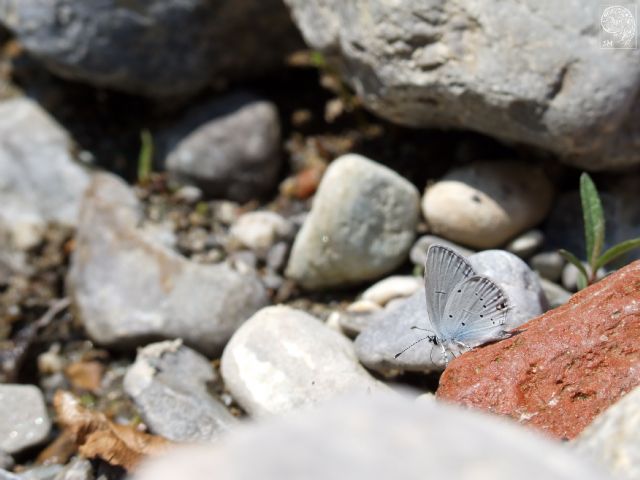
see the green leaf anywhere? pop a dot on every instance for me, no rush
(593, 218)
(145, 157)
(617, 250)
(571, 258)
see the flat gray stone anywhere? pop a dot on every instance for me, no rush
(549, 265)
(556, 295)
(283, 359)
(228, 147)
(261, 230)
(78, 469)
(389, 332)
(168, 383)
(39, 180)
(108, 44)
(485, 204)
(613, 438)
(24, 421)
(478, 65)
(377, 438)
(361, 226)
(128, 288)
(526, 244)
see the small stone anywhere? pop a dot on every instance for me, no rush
(484, 204)
(613, 438)
(363, 438)
(128, 288)
(556, 295)
(548, 264)
(277, 256)
(39, 180)
(41, 472)
(418, 254)
(361, 226)
(570, 274)
(573, 362)
(168, 383)
(526, 244)
(283, 359)
(188, 194)
(78, 469)
(229, 148)
(24, 421)
(259, 231)
(392, 287)
(364, 306)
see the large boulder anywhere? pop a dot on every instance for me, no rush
(524, 71)
(156, 48)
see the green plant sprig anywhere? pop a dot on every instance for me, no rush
(594, 231)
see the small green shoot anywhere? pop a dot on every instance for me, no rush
(145, 157)
(594, 230)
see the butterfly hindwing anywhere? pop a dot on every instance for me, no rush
(475, 312)
(444, 270)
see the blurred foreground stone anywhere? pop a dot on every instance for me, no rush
(377, 438)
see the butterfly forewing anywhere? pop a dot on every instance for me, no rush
(475, 312)
(444, 270)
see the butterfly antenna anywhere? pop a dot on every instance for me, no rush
(422, 329)
(412, 345)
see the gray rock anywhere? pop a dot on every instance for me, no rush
(378, 438)
(476, 65)
(4, 475)
(157, 48)
(168, 383)
(526, 244)
(259, 231)
(229, 147)
(556, 295)
(418, 253)
(613, 438)
(127, 288)
(361, 226)
(548, 264)
(39, 180)
(24, 421)
(283, 359)
(78, 469)
(41, 472)
(390, 331)
(484, 204)
(519, 282)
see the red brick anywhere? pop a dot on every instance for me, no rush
(561, 369)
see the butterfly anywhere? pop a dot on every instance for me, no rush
(466, 309)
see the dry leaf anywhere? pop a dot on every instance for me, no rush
(96, 436)
(85, 375)
(59, 451)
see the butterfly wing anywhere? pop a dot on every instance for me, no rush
(444, 270)
(475, 312)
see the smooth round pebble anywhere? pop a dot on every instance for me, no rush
(361, 226)
(526, 244)
(259, 231)
(556, 295)
(548, 264)
(570, 274)
(484, 204)
(392, 287)
(283, 359)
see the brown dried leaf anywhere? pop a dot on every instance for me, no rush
(85, 375)
(96, 436)
(59, 451)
